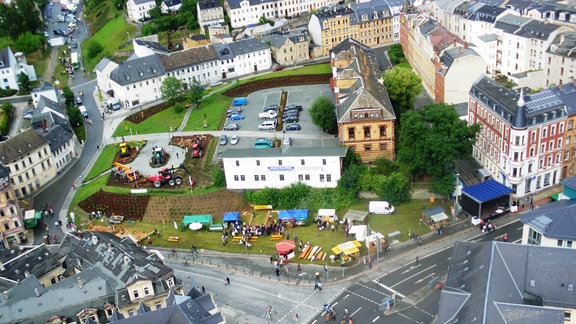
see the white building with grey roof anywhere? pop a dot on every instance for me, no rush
(11, 66)
(138, 9)
(243, 57)
(319, 167)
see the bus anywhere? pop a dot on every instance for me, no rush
(74, 60)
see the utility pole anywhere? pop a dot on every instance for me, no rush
(456, 194)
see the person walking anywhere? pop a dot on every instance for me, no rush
(203, 290)
(227, 281)
(416, 260)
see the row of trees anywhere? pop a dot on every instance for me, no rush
(74, 114)
(186, 17)
(19, 17)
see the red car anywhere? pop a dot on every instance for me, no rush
(278, 68)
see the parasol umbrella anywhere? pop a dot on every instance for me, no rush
(285, 247)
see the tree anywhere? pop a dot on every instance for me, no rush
(7, 107)
(28, 42)
(196, 93)
(75, 116)
(402, 86)
(93, 49)
(24, 82)
(433, 138)
(171, 89)
(323, 114)
(19, 17)
(68, 97)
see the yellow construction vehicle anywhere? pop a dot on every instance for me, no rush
(124, 149)
(125, 172)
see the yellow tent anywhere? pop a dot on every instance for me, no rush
(348, 248)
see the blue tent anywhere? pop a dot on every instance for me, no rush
(297, 214)
(231, 217)
(488, 192)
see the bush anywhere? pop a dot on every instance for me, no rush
(28, 42)
(93, 49)
(179, 107)
(7, 92)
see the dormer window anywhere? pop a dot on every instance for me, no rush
(364, 17)
(375, 15)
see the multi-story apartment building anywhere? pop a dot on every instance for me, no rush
(138, 9)
(248, 12)
(567, 93)
(138, 80)
(11, 65)
(31, 164)
(444, 62)
(317, 167)
(210, 12)
(364, 113)
(551, 225)
(12, 228)
(289, 48)
(370, 23)
(560, 59)
(522, 135)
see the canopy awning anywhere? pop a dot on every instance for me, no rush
(285, 247)
(326, 212)
(203, 219)
(350, 247)
(231, 217)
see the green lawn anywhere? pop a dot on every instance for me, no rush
(103, 163)
(111, 36)
(213, 110)
(157, 123)
(60, 71)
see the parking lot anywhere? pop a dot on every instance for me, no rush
(309, 136)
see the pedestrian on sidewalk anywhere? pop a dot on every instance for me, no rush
(227, 281)
(203, 290)
(416, 260)
(74, 186)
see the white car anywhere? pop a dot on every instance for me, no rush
(234, 139)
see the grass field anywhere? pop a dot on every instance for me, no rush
(111, 36)
(157, 123)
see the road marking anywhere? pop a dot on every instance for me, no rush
(377, 317)
(346, 296)
(365, 298)
(419, 281)
(449, 258)
(520, 228)
(407, 270)
(389, 289)
(352, 315)
(414, 275)
(336, 303)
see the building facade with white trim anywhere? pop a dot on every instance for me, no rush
(278, 168)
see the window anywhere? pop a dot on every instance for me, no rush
(367, 147)
(258, 162)
(382, 131)
(256, 177)
(135, 293)
(236, 178)
(131, 313)
(307, 177)
(328, 178)
(263, 177)
(281, 177)
(302, 162)
(321, 178)
(300, 177)
(170, 282)
(6, 226)
(351, 133)
(382, 146)
(158, 305)
(237, 163)
(366, 132)
(146, 291)
(534, 237)
(323, 161)
(242, 178)
(569, 244)
(544, 132)
(559, 243)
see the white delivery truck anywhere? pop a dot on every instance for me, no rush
(380, 207)
(83, 111)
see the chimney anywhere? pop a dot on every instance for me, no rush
(109, 247)
(560, 86)
(80, 282)
(5, 295)
(465, 45)
(461, 50)
(2, 266)
(26, 273)
(337, 95)
(126, 260)
(37, 292)
(94, 239)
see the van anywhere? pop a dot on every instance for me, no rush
(239, 102)
(114, 104)
(380, 207)
(83, 111)
(268, 125)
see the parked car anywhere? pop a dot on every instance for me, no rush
(236, 117)
(271, 107)
(290, 113)
(234, 140)
(232, 127)
(74, 45)
(28, 114)
(233, 110)
(293, 107)
(78, 100)
(287, 141)
(291, 119)
(263, 143)
(278, 68)
(223, 140)
(293, 127)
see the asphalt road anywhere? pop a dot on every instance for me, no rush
(417, 298)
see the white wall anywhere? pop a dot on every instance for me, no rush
(290, 168)
(139, 11)
(462, 74)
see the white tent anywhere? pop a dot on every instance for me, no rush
(360, 230)
(326, 212)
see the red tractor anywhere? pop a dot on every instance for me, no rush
(167, 175)
(197, 150)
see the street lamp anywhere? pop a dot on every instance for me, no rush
(456, 194)
(127, 33)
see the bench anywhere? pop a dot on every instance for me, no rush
(262, 207)
(391, 235)
(215, 227)
(276, 237)
(173, 239)
(236, 238)
(251, 240)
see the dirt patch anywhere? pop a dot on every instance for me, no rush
(186, 142)
(285, 81)
(140, 116)
(173, 208)
(132, 207)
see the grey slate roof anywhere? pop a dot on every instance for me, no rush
(47, 120)
(36, 261)
(540, 107)
(511, 23)
(102, 64)
(569, 182)
(235, 4)
(45, 86)
(240, 47)
(187, 58)
(171, 3)
(447, 5)
(370, 9)
(44, 102)
(367, 92)
(57, 136)
(497, 283)
(488, 37)
(555, 220)
(278, 152)
(330, 12)
(138, 69)
(567, 94)
(155, 46)
(5, 57)
(277, 40)
(20, 145)
(485, 12)
(537, 29)
(451, 54)
(564, 44)
(142, 1)
(209, 4)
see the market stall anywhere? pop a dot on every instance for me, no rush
(347, 249)
(231, 217)
(297, 216)
(435, 216)
(285, 247)
(327, 215)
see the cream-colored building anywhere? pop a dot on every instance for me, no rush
(11, 222)
(290, 48)
(210, 13)
(30, 161)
